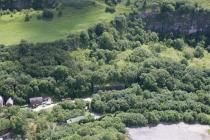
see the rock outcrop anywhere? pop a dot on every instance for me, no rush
(177, 23)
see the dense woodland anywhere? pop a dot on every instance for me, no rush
(25, 4)
(159, 89)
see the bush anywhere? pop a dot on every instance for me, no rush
(188, 55)
(167, 8)
(60, 13)
(48, 14)
(110, 9)
(27, 18)
(178, 44)
(199, 52)
(133, 119)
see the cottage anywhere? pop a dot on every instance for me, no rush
(47, 100)
(10, 102)
(1, 101)
(36, 101)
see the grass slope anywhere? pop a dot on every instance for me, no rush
(13, 29)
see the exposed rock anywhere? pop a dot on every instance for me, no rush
(187, 23)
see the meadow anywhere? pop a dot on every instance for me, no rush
(75, 18)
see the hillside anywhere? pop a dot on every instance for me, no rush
(76, 16)
(106, 72)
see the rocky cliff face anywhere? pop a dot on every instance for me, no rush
(177, 23)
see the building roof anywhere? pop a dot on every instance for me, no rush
(36, 100)
(10, 101)
(108, 88)
(46, 98)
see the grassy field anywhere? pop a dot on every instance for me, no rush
(13, 29)
(179, 55)
(77, 15)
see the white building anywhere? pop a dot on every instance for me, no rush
(1, 101)
(10, 102)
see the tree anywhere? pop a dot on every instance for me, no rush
(4, 124)
(99, 29)
(144, 4)
(166, 7)
(199, 52)
(47, 14)
(178, 44)
(128, 3)
(120, 23)
(107, 41)
(60, 73)
(84, 38)
(27, 18)
(153, 117)
(148, 81)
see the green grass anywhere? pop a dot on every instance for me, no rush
(14, 29)
(179, 55)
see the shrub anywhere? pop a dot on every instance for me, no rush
(110, 9)
(60, 13)
(48, 14)
(167, 8)
(178, 44)
(199, 52)
(27, 18)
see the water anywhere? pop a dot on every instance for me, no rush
(179, 131)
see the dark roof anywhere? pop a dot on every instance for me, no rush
(108, 88)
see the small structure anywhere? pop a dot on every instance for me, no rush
(1, 101)
(6, 136)
(47, 101)
(75, 120)
(10, 102)
(36, 101)
(108, 88)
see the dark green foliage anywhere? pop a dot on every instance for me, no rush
(27, 18)
(84, 39)
(48, 14)
(100, 28)
(128, 3)
(60, 73)
(199, 52)
(167, 8)
(152, 107)
(107, 41)
(23, 4)
(110, 9)
(120, 23)
(112, 2)
(178, 44)
(133, 119)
